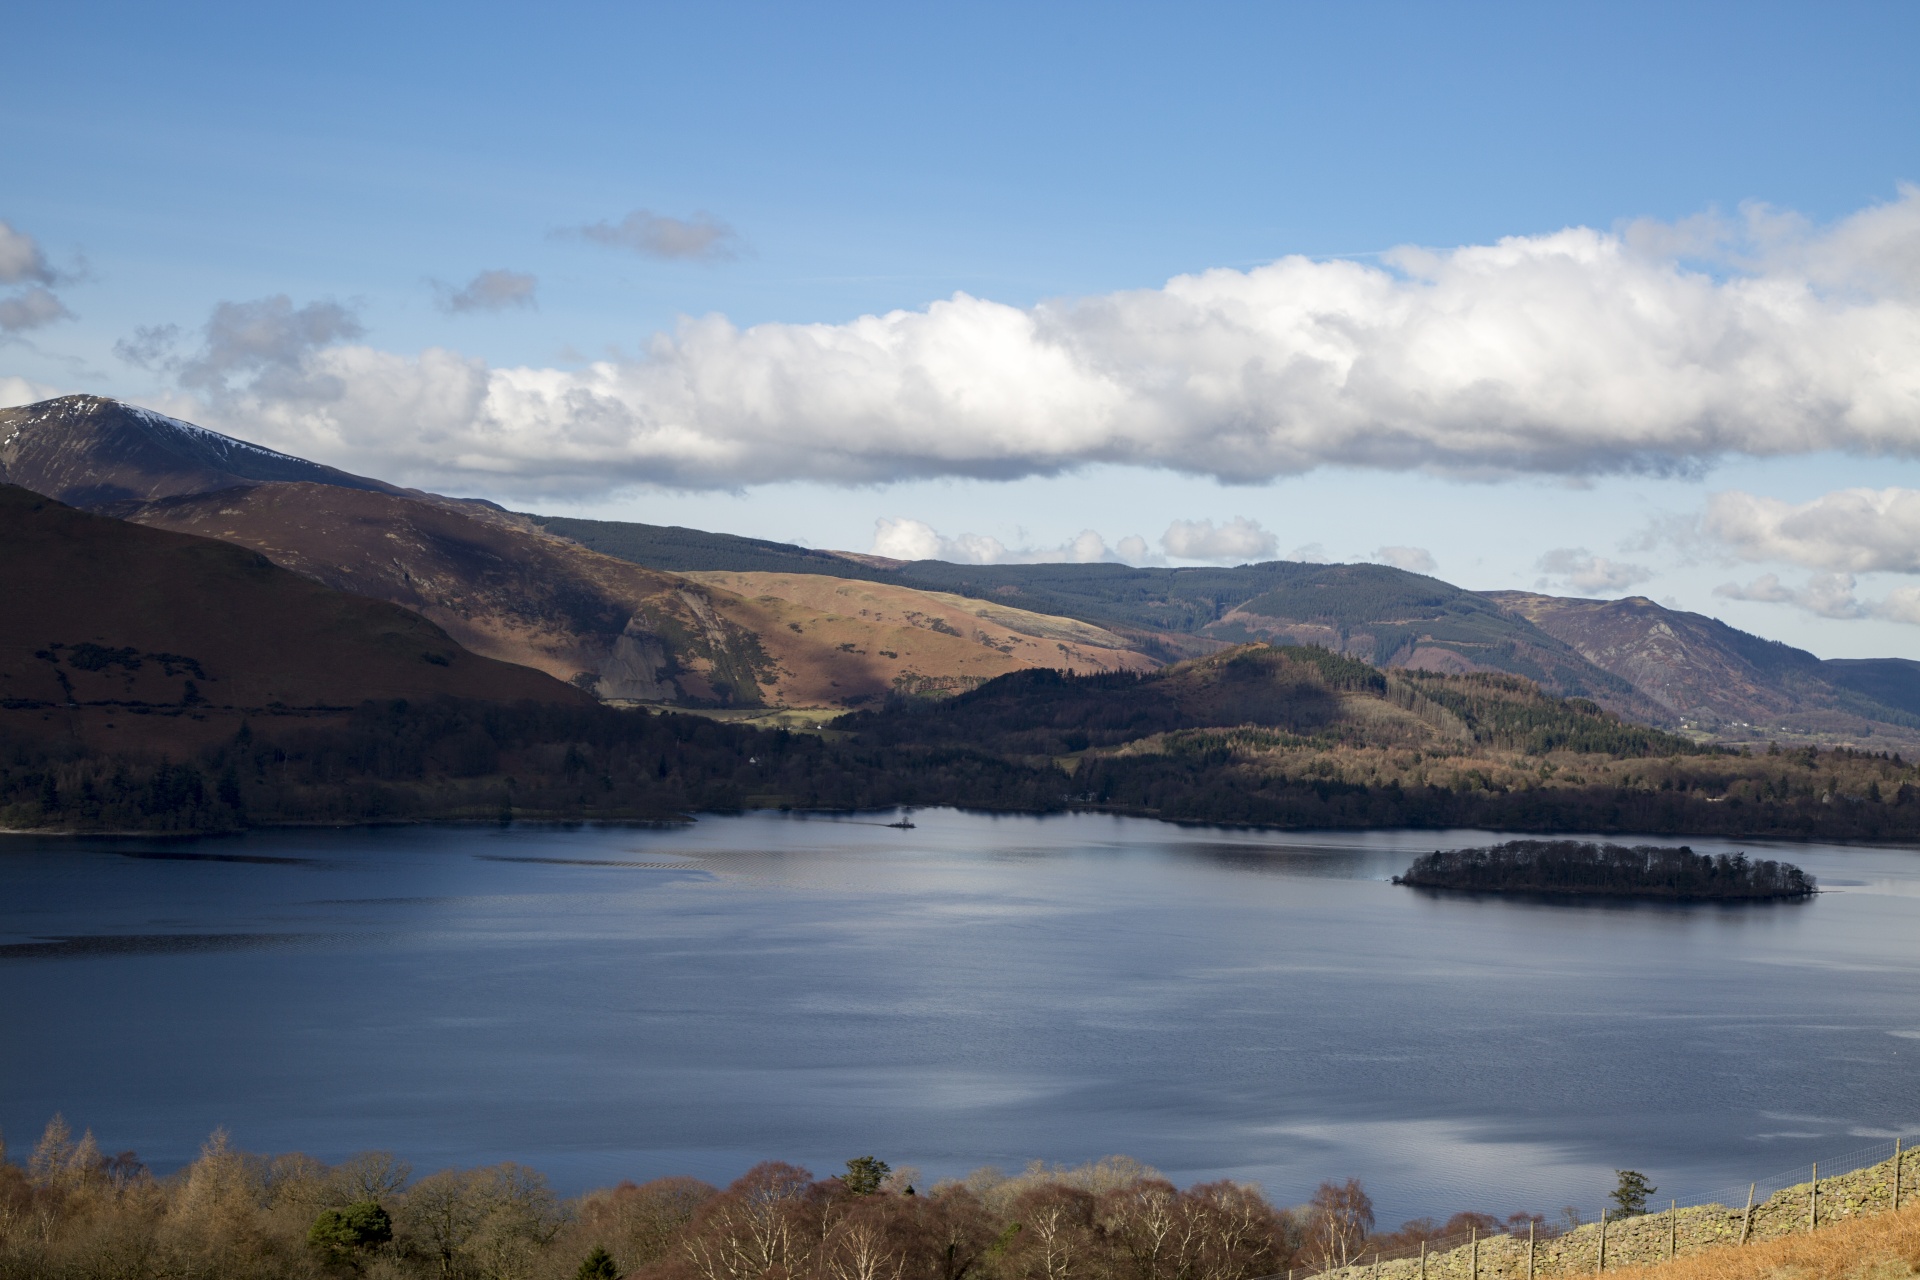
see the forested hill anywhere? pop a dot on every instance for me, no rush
(1298, 736)
(1282, 737)
(1314, 696)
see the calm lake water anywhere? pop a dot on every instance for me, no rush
(609, 1002)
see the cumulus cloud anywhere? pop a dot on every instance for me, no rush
(1850, 530)
(1574, 353)
(1239, 539)
(1578, 568)
(274, 342)
(15, 390)
(23, 263)
(488, 291)
(22, 260)
(1902, 604)
(1412, 559)
(31, 309)
(701, 238)
(1828, 595)
(904, 539)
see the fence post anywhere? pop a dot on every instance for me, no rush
(1601, 1265)
(1475, 1238)
(1813, 1201)
(1423, 1260)
(1530, 1226)
(1746, 1227)
(1376, 1264)
(1896, 1175)
(1673, 1229)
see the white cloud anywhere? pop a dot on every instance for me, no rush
(279, 344)
(1239, 539)
(24, 263)
(31, 309)
(1578, 568)
(1575, 352)
(16, 391)
(488, 291)
(1902, 604)
(702, 237)
(1412, 559)
(905, 539)
(1829, 595)
(1850, 530)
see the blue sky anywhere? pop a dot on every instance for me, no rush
(338, 179)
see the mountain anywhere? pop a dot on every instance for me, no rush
(121, 630)
(660, 614)
(1729, 683)
(503, 588)
(1379, 614)
(87, 451)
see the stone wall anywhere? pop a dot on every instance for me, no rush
(1646, 1239)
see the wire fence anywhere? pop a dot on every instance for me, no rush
(1841, 1186)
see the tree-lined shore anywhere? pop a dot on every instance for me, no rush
(69, 1210)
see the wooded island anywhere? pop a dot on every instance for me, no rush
(1578, 867)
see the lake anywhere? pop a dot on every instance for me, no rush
(610, 1002)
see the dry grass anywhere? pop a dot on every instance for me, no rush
(1878, 1247)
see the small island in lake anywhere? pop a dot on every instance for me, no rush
(1579, 867)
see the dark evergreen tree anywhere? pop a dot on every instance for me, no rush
(598, 1266)
(1630, 1196)
(343, 1236)
(865, 1174)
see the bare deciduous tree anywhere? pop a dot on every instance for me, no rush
(1339, 1219)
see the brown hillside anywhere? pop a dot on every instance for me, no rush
(106, 617)
(839, 641)
(504, 589)
(498, 586)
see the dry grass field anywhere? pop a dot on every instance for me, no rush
(1879, 1247)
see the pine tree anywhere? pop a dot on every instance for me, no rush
(865, 1174)
(1630, 1196)
(598, 1266)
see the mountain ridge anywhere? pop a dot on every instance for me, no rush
(89, 450)
(665, 614)
(1727, 682)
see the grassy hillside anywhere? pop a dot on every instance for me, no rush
(834, 641)
(503, 588)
